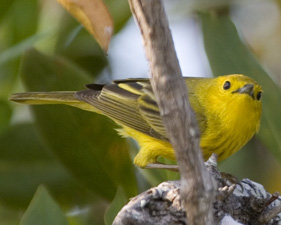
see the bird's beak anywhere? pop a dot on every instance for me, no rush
(246, 89)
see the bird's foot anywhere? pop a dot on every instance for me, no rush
(229, 180)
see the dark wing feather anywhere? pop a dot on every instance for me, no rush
(150, 112)
(120, 102)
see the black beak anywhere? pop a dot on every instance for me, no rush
(246, 89)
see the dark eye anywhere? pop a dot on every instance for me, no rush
(226, 85)
(259, 96)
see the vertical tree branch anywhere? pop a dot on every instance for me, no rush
(197, 191)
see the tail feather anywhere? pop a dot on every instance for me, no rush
(55, 97)
(39, 98)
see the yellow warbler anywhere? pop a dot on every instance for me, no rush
(227, 109)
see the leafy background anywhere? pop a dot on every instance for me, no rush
(69, 166)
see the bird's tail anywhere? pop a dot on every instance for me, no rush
(55, 97)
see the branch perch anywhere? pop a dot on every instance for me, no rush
(246, 203)
(197, 191)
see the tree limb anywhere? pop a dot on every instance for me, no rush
(246, 203)
(197, 191)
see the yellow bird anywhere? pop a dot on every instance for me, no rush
(227, 109)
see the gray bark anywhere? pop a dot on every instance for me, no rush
(246, 202)
(197, 191)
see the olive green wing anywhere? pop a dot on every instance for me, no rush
(150, 112)
(132, 103)
(120, 101)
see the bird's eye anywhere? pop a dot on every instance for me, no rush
(259, 96)
(226, 85)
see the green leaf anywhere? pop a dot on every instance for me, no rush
(5, 6)
(23, 19)
(18, 27)
(228, 55)
(120, 11)
(83, 141)
(16, 50)
(77, 45)
(115, 206)
(43, 210)
(5, 114)
(9, 216)
(26, 163)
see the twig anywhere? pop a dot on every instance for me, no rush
(270, 212)
(197, 191)
(162, 166)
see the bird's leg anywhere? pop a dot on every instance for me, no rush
(158, 165)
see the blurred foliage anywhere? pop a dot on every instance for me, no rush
(43, 210)
(77, 155)
(5, 114)
(15, 28)
(24, 168)
(79, 139)
(97, 22)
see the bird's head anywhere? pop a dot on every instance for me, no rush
(239, 97)
(238, 87)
